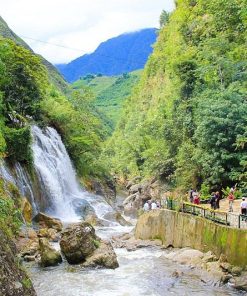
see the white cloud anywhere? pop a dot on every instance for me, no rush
(78, 24)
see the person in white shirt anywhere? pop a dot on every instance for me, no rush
(153, 205)
(146, 207)
(243, 206)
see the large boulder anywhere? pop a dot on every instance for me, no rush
(117, 217)
(80, 244)
(49, 256)
(46, 221)
(78, 241)
(103, 256)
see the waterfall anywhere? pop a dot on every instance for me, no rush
(24, 184)
(58, 179)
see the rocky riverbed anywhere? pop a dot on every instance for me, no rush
(145, 268)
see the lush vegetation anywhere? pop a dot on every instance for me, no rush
(28, 96)
(10, 215)
(118, 55)
(186, 121)
(110, 92)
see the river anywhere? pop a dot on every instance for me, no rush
(141, 272)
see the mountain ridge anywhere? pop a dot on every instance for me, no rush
(125, 53)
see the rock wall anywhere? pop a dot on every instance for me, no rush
(13, 279)
(183, 230)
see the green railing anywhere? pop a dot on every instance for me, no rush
(221, 217)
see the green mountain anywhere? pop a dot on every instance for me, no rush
(54, 75)
(186, 121)
(122, 54)
(110, 92)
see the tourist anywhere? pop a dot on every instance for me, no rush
(158, 204)
(213, 201)
(191, 195)
(231, 200)
(196, 199)
(150, 204)
(233, 188)
(217, 200)
(153, 205)
(243, 207)
(146, 207)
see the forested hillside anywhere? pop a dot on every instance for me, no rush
(28, 96)
(53, 73)
(118, 55)
(110, 92)
(187, 120)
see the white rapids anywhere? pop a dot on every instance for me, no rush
(58, 178)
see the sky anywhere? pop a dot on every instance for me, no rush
(80, 25)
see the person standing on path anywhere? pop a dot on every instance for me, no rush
(231, 200)
(191, 195)
(213, 201)
(217, 200)
(243, 207)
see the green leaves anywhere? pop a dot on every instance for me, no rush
(187, 119)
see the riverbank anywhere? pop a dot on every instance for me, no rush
(181, 230)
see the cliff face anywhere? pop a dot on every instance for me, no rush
(13, 279)
(183, 230)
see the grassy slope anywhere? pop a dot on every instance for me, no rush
(110, 91)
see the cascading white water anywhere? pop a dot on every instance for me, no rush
(57, 176)
(24, 184)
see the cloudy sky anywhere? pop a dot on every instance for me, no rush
(78, 24)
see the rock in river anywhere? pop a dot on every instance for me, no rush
(80, 244)
(46, 221)
(49, 256)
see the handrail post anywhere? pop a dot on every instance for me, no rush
(239, 223)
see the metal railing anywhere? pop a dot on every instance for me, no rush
(221, 217)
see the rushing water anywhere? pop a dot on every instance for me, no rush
(141, 272)
(58, 179)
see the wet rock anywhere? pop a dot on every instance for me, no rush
(135, 188)
(26, 209)
(226, 278)
(209, 257)
(226, 266)
(46, 221)
(240, 282)
(103, 256)
(236, 271)
(78, 242)
(117, 217)
(50, 233)
(30, 248)
(49, 256)
(28, 233)
(28, 258)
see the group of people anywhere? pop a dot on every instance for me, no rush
(215, 198)
(151, 205)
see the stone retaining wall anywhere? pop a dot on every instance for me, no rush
(184, 230)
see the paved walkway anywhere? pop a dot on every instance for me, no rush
(224, 205)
